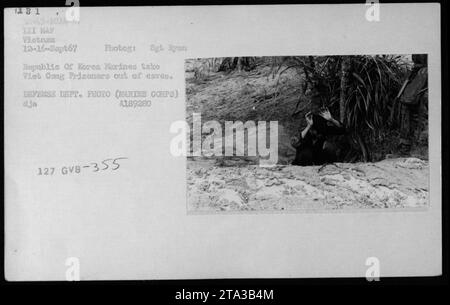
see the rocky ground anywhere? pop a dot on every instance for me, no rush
(238, 186)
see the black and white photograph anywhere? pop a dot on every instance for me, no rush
(351, 133)
(263, 145)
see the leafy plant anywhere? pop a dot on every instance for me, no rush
(361, 89)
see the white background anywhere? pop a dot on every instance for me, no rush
(133, 223)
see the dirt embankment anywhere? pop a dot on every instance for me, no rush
(391, 183)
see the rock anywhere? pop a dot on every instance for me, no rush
(412, 163)
(392, 183)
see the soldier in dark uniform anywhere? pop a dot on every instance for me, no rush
(414, 108)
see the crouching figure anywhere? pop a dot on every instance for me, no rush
(313, 145)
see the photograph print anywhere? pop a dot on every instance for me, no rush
(307, 133)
